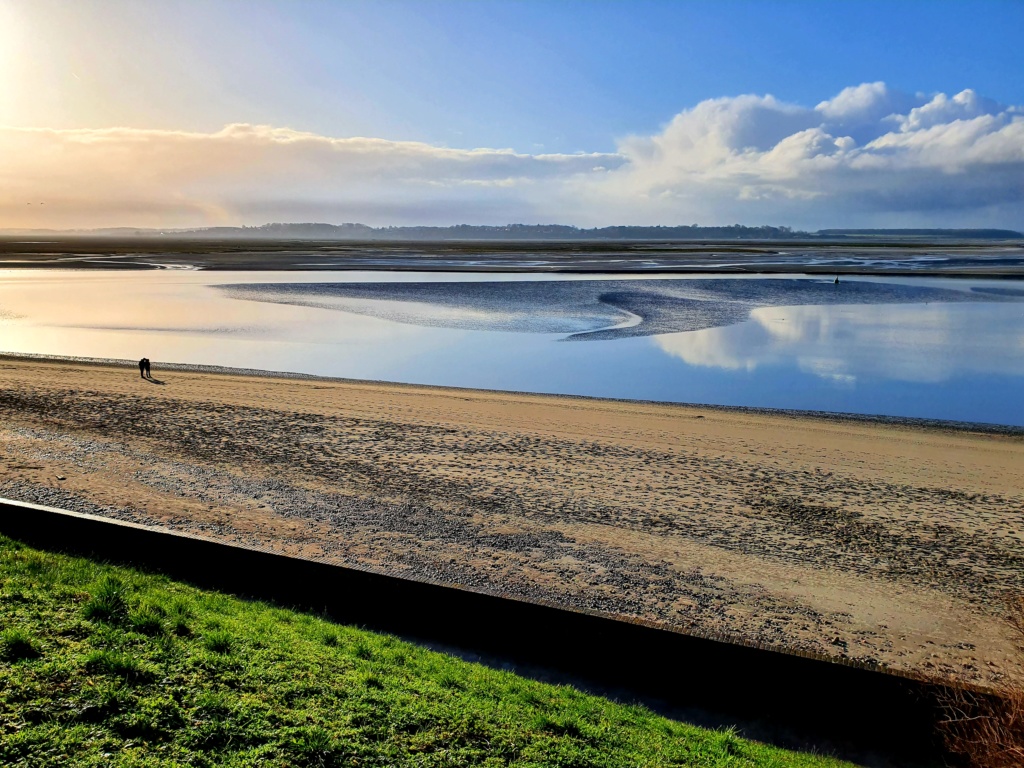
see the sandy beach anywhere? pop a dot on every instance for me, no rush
(881, 542)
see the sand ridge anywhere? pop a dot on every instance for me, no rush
(877, 542)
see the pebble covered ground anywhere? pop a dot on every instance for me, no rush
(835, 558)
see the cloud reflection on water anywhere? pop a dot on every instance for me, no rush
(842, 343)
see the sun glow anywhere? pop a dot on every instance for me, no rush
(12, 51)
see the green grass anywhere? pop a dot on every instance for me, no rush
(102, 665)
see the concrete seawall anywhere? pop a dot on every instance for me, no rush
(818, 701)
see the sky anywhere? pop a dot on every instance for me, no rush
(223, 112)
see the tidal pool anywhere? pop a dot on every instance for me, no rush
(921, 347)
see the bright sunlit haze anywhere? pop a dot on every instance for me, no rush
(179, 114)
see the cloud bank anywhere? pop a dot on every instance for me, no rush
(248, 174)
(869, 156)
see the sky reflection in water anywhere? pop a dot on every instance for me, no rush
(961, 360)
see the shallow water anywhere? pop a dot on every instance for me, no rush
(921, 347)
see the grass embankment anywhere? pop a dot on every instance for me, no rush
(101, 665)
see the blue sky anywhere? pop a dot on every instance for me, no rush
(567, 79)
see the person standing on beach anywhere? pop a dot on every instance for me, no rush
(142, 368)
(149, 375)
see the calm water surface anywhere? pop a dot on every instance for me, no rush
(923, 347)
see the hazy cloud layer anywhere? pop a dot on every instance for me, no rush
(868, 156)
(251, 174)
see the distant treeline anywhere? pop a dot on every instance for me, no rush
(526, 232)
(506, 232)
(566, 232)
(977, 234)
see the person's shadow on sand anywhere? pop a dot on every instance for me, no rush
(145, 372)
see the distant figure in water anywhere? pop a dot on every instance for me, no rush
(836, 281)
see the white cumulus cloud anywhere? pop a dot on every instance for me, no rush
(867, 156)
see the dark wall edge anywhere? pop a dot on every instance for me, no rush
(800, 694)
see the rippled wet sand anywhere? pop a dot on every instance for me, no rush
(882, 543)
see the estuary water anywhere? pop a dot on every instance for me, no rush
(924, 347)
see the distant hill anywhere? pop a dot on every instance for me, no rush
(504, 232)
(524, 232)
(299, 231)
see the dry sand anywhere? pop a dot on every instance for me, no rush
(877, 542)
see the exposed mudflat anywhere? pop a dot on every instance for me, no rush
(896, 255)
(594, 309)
(884, 543)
